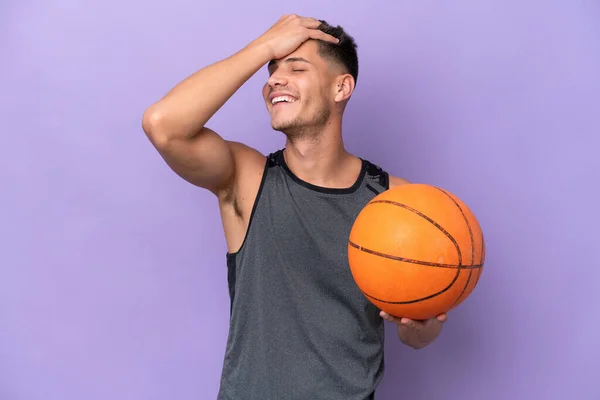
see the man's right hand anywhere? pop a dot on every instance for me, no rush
(287, 34)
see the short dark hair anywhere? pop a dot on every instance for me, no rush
(343, 52)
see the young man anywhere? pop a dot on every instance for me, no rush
(300, 327)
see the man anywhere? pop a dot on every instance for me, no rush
(300, 327)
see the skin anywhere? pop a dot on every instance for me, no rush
(312, 124)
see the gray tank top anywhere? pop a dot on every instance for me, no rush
(300, 329)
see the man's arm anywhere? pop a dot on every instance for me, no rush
(176, 123)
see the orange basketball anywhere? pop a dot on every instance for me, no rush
(416, 251)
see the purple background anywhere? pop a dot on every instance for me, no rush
(113, 269)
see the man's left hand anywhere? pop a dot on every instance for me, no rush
(416, 333)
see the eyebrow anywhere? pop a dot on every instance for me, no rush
(289, 60)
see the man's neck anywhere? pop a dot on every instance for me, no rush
(322, 161)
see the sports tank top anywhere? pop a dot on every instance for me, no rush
(300, 329)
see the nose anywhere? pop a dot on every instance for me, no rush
(277, 79)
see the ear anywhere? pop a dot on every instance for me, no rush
(344, 88)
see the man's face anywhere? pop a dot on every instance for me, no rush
(299, 92)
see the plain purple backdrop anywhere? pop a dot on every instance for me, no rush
(113, 269)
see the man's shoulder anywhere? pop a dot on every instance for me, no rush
(243, 150)
(375, 170)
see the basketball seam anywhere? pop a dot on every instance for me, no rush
(410, 260)
(472, 246)
(482, 257)
(445, 232)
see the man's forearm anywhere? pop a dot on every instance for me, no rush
(186, 108)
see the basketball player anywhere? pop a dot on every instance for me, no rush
(299, 326)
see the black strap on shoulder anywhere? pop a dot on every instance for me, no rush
(275, 158)
(378, 174)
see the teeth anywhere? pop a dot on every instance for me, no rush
(279, 99)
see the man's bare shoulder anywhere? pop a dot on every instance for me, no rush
(249, 162)
(396, 181)
(245, 153)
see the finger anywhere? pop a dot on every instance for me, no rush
(442, 317)
(320, 35)
(395, 320)
(408, 322)
(311, 23)
(388, 317)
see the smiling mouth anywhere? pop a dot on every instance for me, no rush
(282, 100)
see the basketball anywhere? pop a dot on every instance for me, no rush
(416, 251)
